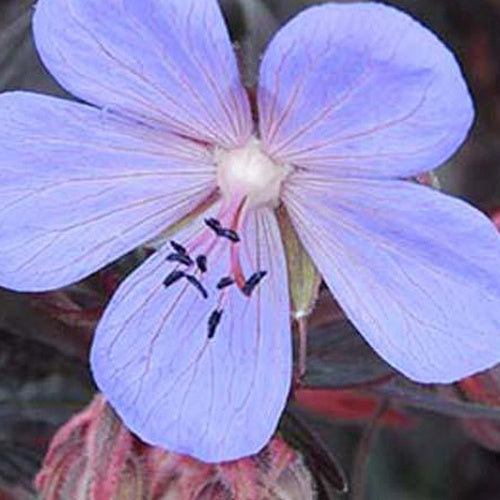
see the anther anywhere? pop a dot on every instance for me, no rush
(173, 277)
(230, 234)
(180, 257)
(201, 262)
(178, 248)
(224, 282)
(194, 281)
(214, 224)
(213, 322)
(252, 282)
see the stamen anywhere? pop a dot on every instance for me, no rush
(224, 282)
(230, 234)
(213, 322)
(178, 248)
(201, 262)
(173, 277)
(215, 225)
(252, 282)
(182, 258)
(237, 271)
(194, 281)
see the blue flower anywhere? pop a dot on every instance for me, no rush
(194, 349)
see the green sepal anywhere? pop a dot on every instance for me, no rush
(303, 278)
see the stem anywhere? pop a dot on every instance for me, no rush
(302, 323)
(365, 445)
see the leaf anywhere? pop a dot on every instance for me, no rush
(438, 398)
(19, 63)
(252, 25)
(339, 357)
(18, 465)
(22, 316)
(347, 405)
(300, 435)
(484, 432)
(483, 388)
(44, 381)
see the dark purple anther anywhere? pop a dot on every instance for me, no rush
(252, 282)
(230, 235)
(194, 281)
(213, 322)
(224, 282)
(215, 225)
(201, 262)
(173, 277)
(179, 257)
(178, 248)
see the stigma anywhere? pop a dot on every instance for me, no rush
(248, 173)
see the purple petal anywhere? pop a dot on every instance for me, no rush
(361, 90)
(215, 399)
(163, 61)
(79, 188)
(415, 270)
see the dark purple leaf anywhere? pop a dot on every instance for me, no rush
(339, 357)
(448, 400)
(320, 460)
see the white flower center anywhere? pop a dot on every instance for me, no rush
(250, 173)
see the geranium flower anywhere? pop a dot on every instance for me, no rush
(194, 349)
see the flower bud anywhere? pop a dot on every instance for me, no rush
(94, 457)
(91, 457)
(276, 472)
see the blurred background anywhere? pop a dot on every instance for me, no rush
(393, 439)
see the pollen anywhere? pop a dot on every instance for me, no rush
(247, 172)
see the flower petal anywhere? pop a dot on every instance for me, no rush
(415, 270)
(79, 188)
(166, 61)
(361, 90)
(215, 399)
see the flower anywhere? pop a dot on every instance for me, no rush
(194, 349)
